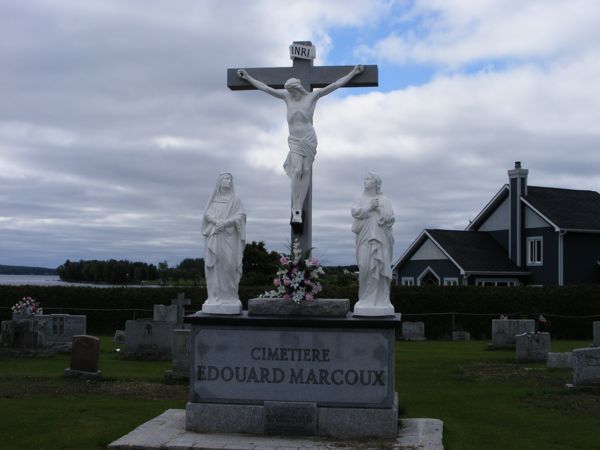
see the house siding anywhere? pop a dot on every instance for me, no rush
(442, 268)
(581, 251)
(547, 273)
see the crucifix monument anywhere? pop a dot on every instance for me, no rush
(299, 81)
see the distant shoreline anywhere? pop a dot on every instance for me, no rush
(25, 270)
(54, 280)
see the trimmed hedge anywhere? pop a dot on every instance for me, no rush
(571, 309)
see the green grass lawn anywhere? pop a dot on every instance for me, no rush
(485, 398)
(488, 401)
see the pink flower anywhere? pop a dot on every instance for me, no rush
(283, 260)
(308, 283)
(286, 281)
(314, 261)
(276, 282)
(286, 297)
(308, 297)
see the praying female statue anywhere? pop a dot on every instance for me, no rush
(373, 221)
(302, 139)
(224, 226)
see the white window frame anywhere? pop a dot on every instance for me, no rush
(510, 282)
(451, 281)
(533, 259)
(429, 269)
(408, 281)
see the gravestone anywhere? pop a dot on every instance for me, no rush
(152, 339)
(413, 331)
(119, 338)
(586, 366)
(85, 354)
(7, 333)
(60, 328)
(23, 334)
(180, 302)
(461, 336)
(505, 330)
(266, 374)
(148, 339)
(563, 360)
(165, 313)
(180, 372)
(42, 331)
(532, 346)
(596, 326)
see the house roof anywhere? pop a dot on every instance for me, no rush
(568, 209)
(470, 251)
(487, 211)
(474, 251)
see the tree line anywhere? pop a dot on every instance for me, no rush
(258, 268)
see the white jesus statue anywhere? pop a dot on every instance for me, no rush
(302, 138)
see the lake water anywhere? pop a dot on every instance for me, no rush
(48, 280)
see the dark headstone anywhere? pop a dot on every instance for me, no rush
(85, 353)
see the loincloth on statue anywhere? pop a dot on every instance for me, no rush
(305, 147)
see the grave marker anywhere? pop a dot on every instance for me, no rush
(586, 366)
(85, 354)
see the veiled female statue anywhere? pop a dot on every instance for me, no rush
(373, 221)
(224, 227)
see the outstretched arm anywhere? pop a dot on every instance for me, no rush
(260, 85)
(341, 82)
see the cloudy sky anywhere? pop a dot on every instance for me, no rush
(115, 117)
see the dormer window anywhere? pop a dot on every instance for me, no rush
(535, 251)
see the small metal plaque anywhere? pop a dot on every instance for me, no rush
(299, 51)
(290, 418)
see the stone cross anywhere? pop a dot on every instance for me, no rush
(181, 302)
(302, 54)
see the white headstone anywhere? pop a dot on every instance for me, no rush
(586, 366)
(461, 336)
(505, 330)
(181, 352)
(532, 346)
(119, 337)
(562, 360)
(148, 339)
(413, 331)
(166, 313)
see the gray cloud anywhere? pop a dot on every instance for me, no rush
(115, 120)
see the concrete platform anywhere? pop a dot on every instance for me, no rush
(167, 431)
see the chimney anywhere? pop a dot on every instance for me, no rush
(517, 183)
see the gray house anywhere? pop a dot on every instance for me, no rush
(525, 235)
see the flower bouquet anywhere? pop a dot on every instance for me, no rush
(26, 307)
(297, 278)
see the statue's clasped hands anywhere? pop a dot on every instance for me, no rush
(374, 203)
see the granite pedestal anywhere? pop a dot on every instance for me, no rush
(293, 375)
